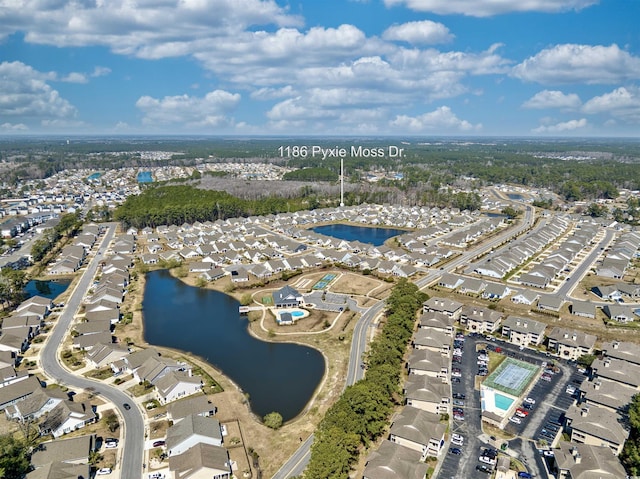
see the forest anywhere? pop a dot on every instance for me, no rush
(180, 204)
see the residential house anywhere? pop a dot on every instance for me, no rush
(523, 331)
(418, 430)
(624, 351)
(35, 405)
(570, 344)
(102, 354)
(15, 392)
(583, 309)
(192, 430)
(596, 426)
(177, 384)
(496, 291)
(525, 297)
(67, 416)
(440, 305)
(616, 312)
(438, 321)
(432, 396)
(201, 461)
(429, 363)
(624, 372)
(433, 340)
(602, 392)
(63, 458)
(197, 405)
(586, 461)
(480, 320)
(393, 460)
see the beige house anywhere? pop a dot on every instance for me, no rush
(570, 344)
(596, 426)
(418, 430)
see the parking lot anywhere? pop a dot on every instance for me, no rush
(540, 423)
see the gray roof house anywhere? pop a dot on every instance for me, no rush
(287, 297)
(570, 344)
(202, 460)
(192, 430)
(392, 461)
(418, 430)
(585, 461)
(597, 426)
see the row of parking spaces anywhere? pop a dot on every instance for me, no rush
(551, 425)
(462, 459)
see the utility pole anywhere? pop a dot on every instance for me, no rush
(341, 182)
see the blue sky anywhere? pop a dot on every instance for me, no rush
(332, 67)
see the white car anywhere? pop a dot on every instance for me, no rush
(110, 445)
(530, 400)
(515, 419)
(457, 439)
(570, 390)
(103, 472)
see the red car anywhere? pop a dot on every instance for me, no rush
(522, 411)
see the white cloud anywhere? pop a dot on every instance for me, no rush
(273, 93)
(485, 8)
(571, 63)
(440, 120)
(552, 99)
(423, 32)
(562, 127)
(75, 77)
(13, 127)
(25, 95)
(100, 71)
(622, 103)
(189, 111)
(126, 26)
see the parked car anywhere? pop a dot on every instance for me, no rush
(455, 450)
(127, 406)
(522, 411)
(158, 443)
(530, 400)
(455, 379)
(457, 438)
(456, 374)
(515, 420)
(483, 468)
(524, 475)
(458, 402)
(459, 396)
(570, 389)
(110, 445)
(103, 472)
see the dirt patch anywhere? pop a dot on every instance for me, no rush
(350, 283)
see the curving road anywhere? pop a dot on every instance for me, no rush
(132, 447)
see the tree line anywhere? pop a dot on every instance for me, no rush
(362, 413)
(178, 204)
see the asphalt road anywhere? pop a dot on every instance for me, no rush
(131, 449)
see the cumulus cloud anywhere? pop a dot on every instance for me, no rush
(562, 127)
(623, 103)
(423, 32)
(486, 8)
(272, 93)
(75, 77)
(25, 94)
(126, 26)
(440, 120)
(552, 99)
(572, 63)
(13, 127)
(189, 111)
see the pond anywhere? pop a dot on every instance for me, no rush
(49, 288)
(277, 377)
(364, 234)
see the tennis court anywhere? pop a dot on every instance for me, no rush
(511, 377)
(324, 281)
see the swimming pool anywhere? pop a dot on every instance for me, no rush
(503, 402)
(297, 314)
